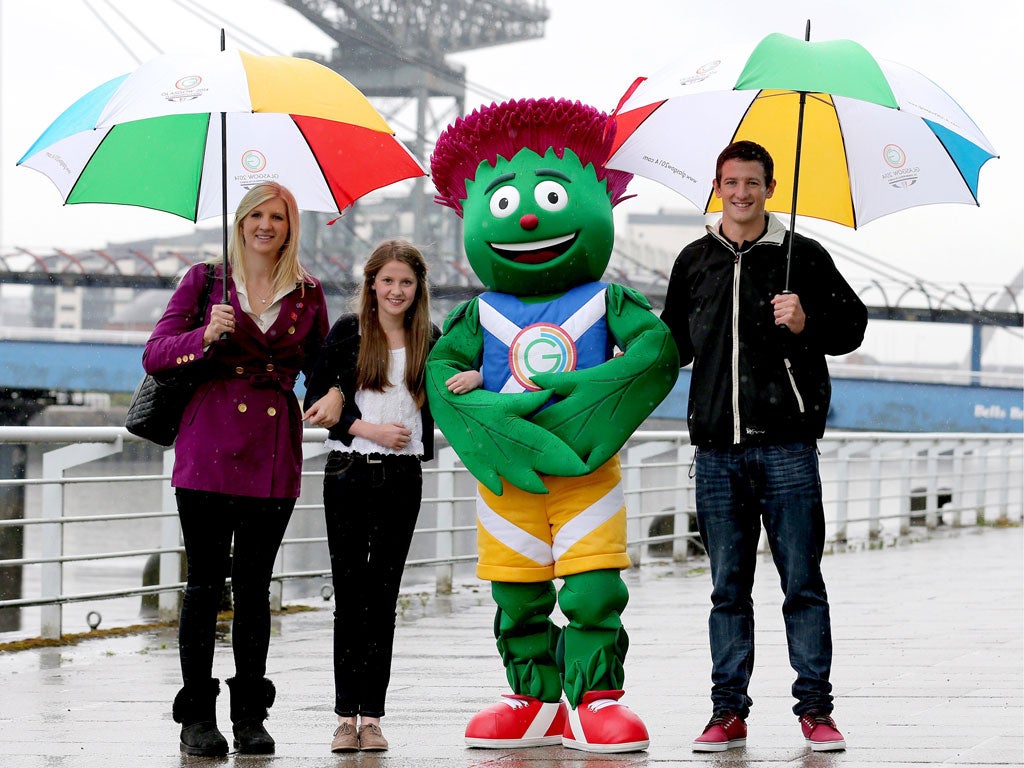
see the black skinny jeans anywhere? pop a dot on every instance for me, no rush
(371, 510)
(209, 521)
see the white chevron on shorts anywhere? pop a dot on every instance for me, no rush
(588, 520)
(512, 536)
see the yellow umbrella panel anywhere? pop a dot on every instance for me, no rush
(772, 122)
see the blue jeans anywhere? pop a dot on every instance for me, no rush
(738, 488)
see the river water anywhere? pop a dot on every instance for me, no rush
(90, 538)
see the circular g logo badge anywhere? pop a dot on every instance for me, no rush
(894, 156)
(254, 161)
(702, 73)
(540, 348)
(188, 82)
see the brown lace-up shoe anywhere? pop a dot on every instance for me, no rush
(371, 739)
(345, 739)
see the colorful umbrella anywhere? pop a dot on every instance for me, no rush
(170, 134)
(853, 137)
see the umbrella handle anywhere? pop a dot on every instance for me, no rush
(785, 292)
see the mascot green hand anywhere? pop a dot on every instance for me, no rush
(571, 366)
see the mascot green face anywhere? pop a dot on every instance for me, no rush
(537, 225)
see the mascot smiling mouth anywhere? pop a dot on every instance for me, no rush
(535, 251)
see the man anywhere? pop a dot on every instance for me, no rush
(759, 395)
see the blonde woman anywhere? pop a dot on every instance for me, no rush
(238, 454)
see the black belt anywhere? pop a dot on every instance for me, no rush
(376, 458)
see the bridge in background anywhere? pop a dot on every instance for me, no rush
(864, 398)
(123, 286)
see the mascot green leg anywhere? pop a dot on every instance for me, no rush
(593, 644)
(527, 638)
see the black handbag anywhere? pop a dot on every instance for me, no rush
(160, 399)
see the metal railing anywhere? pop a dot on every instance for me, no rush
(878, 487)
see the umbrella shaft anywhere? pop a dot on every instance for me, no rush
(796, 182)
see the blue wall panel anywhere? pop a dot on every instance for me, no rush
(857, 404)
(897, 406)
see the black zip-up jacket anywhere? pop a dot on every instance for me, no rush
(754, 382)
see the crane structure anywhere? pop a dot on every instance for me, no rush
(395, 52)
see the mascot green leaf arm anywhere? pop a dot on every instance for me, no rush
(602, 406)
(491, 431)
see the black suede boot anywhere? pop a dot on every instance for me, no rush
(250, 700)
(195, 707)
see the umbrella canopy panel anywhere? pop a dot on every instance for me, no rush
(858, 162)
(153, 138)
(878, 137)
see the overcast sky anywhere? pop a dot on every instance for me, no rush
(53, 51)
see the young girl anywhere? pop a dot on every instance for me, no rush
(373, 362)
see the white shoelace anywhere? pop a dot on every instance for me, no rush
(515, 703)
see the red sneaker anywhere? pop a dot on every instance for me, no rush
(821, 733)
(601, 724)
(724, 730)
(517, 721)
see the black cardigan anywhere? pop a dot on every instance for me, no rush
(336, 366)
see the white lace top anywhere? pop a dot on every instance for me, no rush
(395, 404)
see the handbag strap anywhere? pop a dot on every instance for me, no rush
(204, 298)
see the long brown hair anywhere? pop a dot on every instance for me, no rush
(374, 354)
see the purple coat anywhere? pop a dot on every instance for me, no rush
(241, 433)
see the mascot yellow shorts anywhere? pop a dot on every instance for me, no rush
(578, 526)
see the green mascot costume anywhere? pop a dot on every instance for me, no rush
(571, 367)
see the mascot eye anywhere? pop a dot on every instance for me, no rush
(551, 196)
(504, 202)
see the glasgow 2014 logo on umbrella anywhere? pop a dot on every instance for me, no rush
(254, 163)
(186, 89)
(540, 348)
(900, 177)
(704, 71)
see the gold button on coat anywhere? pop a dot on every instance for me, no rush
(270, 367)
(242, 407)
(271, 411)
(239, 370)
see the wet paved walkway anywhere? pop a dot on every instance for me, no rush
(929, 670)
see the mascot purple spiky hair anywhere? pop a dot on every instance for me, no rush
(543, 433)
